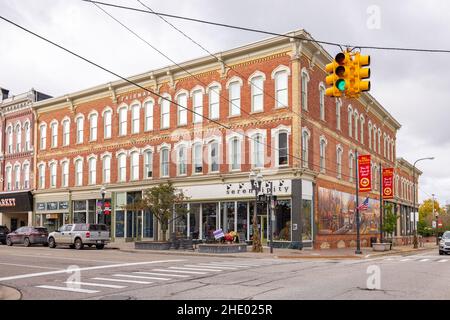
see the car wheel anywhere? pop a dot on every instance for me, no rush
(9, 242)
(441, 252)
(51, 243)
(79, 244)
(26, 242)
(100, 246)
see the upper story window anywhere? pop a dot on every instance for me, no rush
(92, 171)
(379, 140)
(181, 161)
(135, 118)
(53, 175)
(17, 177)
(134, 159)
(356, 124)
(182, 109)
(65, 174)
(80, 129)
(18, 138)
(323, 145)
(148, 111)
(235, 154)
(235, 98)
(258, 151)
(305, 148)
(351, 166)
(339, 153)
(281, 88)
(338, 113)
(375, 138)
(107, 169)
(197, 97)
(79, 172)
(26, 176)
(107, 124)
(41, 170)
(322, 101)
(369, 134)
(66, 132)
(43, 136)
(350, 121)
(164, 162)
(27, 137)
(8, 178)
(10, 139)
(54, 133)
(197, 155)
(361, 125)
(122, 162)
(93, 122)
(214, 100)
(165, 113)
(214, 156)
(304, 86)
(148, 164)
(123, 112)
(282, 148)
(257, 92)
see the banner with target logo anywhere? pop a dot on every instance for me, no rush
(365, 173)
(388, 183)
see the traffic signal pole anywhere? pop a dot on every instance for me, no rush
(358, 238)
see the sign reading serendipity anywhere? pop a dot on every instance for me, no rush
(365, 173)
(218, 234)
(388, 183)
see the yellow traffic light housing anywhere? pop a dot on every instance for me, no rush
(362, 73)
(338, 71)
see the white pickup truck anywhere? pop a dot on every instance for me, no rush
(78, 235)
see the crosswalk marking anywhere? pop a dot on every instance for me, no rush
(232, 265)
(112, 286)
(195, 269)
(209, 267)
(140, 277)
(68, 289)
(443, 260)
(424, 260)
(407, 259)
(179, 271)
(162, 274)
(122, 280)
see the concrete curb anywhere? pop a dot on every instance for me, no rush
(9, 293)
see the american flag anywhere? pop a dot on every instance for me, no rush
(364, 205)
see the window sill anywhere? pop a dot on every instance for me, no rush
(281, 107)
(283, 166)
(197, 173)
(94, 140)
(257, 112)
(233, 116)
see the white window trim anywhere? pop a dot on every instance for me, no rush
(304, 74)
(160, 103)
(339, 170)
(256, 74)
(144, 103)
(209, 89)
(305, 162)
(323, 169)
(193, 144)
(232, 80)
(209, 142)
(229, 139)
(119, 108)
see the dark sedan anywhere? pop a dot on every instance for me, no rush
(3, 233)
(28, 236)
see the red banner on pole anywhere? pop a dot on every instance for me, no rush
(388, 183)
(365, 173)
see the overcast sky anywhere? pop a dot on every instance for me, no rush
(413, 87)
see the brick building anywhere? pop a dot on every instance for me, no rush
(261, 108)
(17, 157)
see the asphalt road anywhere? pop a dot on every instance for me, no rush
(62, 273)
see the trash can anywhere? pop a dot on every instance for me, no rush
(373, 240)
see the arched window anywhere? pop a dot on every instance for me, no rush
(107, 124)
(122, 163)
(41, 176)
(65, 174)
(107, 169)
(43, 136)
(165, 113)
(182, 109)
(304, 86)
(282, 149)
(26, 176)
(182, 160)
(323, 145)
(165, 162)
(197, 157)
(322, 101)
(350, 121)
(379, 140)
(338, 113)
(339, 161)
(375, 138)
(235, 154)
(369, 134)
(27, 136)
(80, 129)
(54, 133)
(18, 138)
(8, 178)
(92, 170)
(362, 121)
(256, 86)
(258, 151)
(356, 124)
(10, 139)
(93, 122)
(235, 98)
(135, 118)
(148, 110)
(53, 175)
(305, 148)
(123, 113)
(351, 166)
(134, 159)
(214, 156)
(79, 172)
(17, 177)
(214, 102)
(148, 164)
(281, 88)
(197, 104)
(66, 132)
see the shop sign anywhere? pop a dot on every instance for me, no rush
(52, 205)
(218, 234)
(50, 216)
(388, 183)
(16, 202)
(40, 206)
(8, 202)
(63, 205)
(364, 172)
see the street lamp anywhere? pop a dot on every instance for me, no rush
(103, 192)
(256, 182)
(414, 206)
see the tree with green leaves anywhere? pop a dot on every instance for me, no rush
(389, 219)
(162, 201)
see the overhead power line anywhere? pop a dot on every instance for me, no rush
(340, 45)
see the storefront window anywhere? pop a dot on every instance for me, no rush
(307, 220)
(242, 220)
(194, 220)
(209, 212)
(120, 224)
(282, 225)
(148, 224)
(227, 214)
(79, 217)
(181, 224)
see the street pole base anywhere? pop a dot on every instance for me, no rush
(358, 252)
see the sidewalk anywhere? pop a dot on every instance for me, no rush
(307, 253)
(8, 293)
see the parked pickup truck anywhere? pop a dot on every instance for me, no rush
(78, 235)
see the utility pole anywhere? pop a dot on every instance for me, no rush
(381, 203)
(358, 238)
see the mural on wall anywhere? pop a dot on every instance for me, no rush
(336, 213)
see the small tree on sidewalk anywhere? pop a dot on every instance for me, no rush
(389, 220)
(161, 201)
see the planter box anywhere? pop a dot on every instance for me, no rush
(222, 248)
(152, 245)
(381, 246)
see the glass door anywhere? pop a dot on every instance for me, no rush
(263, 229)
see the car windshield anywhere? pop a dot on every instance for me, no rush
(446, 235)
(97, 227)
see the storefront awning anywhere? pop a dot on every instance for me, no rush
(16, 202)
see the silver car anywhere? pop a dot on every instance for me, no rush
(80, 234)
(444, 243)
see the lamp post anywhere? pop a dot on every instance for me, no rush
(436, 216)
(103, 192)
(414, 205)
(256, 182)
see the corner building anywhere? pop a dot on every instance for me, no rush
(261, 108)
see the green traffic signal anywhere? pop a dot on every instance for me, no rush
(340, 84)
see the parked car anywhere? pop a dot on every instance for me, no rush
(80, 234)
(444, 243)
(28, 236)
(3, 233)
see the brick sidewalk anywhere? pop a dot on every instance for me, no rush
(346, 253)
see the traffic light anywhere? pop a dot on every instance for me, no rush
(338, 72)
(361, 73)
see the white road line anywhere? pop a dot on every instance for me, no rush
(232, 265)
(443, 260)
(112, 286)
(423, 260)
(163, 274)
(209, 267)
(389, 259)
(140, 277)
(68, 289)
(195, 269)
(179, 271)
(122, 280)
(28, 266)
(31, 275)
(407, 259)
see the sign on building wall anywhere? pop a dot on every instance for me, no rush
(388, 183)
(365, 173)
